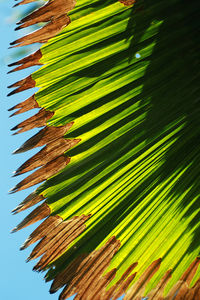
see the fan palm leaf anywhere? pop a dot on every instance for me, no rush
(118, 99)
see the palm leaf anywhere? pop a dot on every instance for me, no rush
(119, 105)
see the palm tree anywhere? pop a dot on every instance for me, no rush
(118, 99)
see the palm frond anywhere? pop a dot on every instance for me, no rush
(119, 105)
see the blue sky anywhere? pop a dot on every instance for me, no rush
(17, 279)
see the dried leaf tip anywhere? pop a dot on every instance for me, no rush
(127, 2)
(53, 13)
(24, 106)
(24, 84)
(181, 289)
(48, 225)
(29, 201)
(37, 214)
(57, 240)
(46, 154)
(158, 291)
(85, 276)
(44, 136)
(138, 289)
(45, 172)
(38, 120)
(191, 270)
(28, 61)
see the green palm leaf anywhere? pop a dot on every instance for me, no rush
(119, 102)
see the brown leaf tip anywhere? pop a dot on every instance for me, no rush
(29, 201)
(24, 106)
(84, 275)
(191, 270)
(53, 13)
(44, 136)
(24, 84)
(37, 214)
(42, 230)
(56, 235)
(38, 120)
(28, 61)
(127, 2)
(42, 174)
